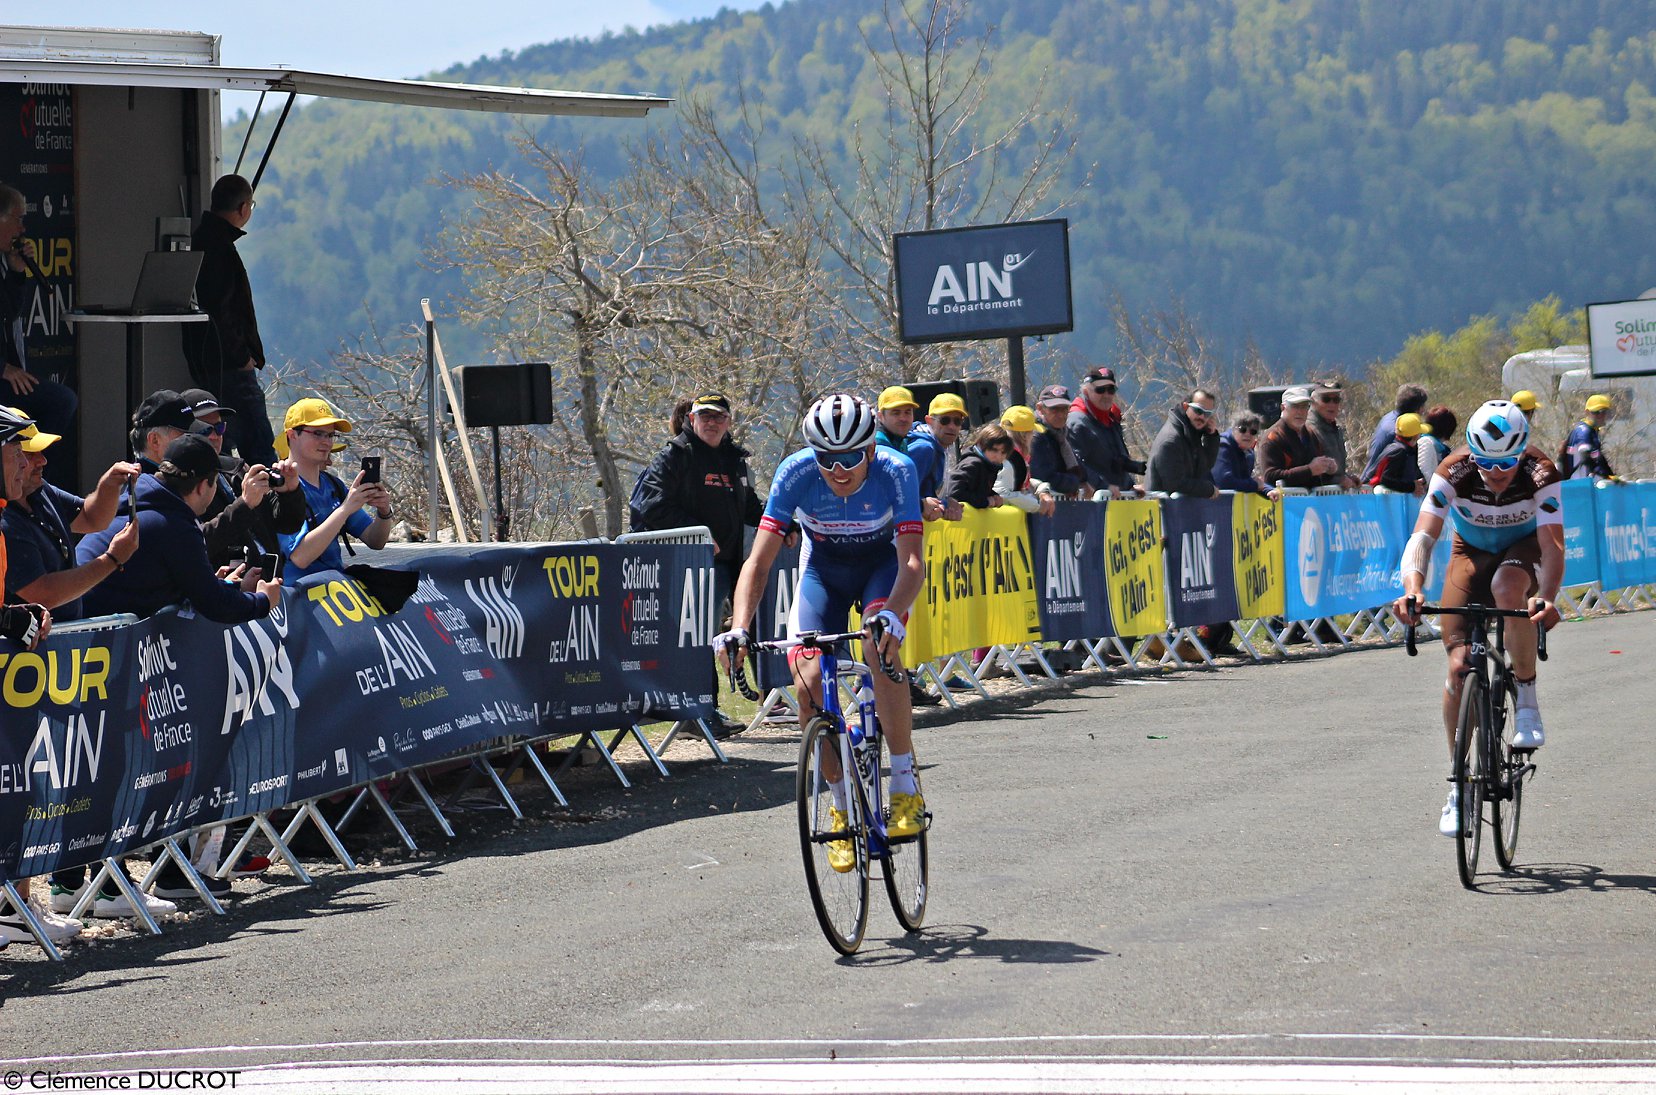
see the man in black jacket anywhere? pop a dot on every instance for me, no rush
(1181, 460)
(1094, 431)
(226, 353)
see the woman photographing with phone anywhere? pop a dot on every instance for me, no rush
(362, 508)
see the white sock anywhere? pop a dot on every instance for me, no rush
(902, 774)
(837, 790)
(1526, 694)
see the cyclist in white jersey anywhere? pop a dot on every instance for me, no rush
(1502, 495)
(859, 506)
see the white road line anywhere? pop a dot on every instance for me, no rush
(922, 1076)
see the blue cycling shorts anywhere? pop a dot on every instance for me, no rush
(828, 589)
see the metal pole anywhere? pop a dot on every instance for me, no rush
(1015, 369)
(431, 420)
(502, 519)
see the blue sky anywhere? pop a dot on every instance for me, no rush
(381, 37)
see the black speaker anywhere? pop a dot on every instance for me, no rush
(982, 398)
(1267, 402)
(506, 395)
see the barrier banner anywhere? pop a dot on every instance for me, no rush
(770, 622)
(1069, 563)
(1626, 516)
(1256, 548)
(980, 586)
(1345, 551)
(1581, 545)
(1200, 572)
(1133, 560)
(114, 738)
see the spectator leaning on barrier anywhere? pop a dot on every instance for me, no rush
(934, 447)
(40, 524)
(1410, 399)
(310, 433)
(1051, 457)
(170, 565)
(1398, 471)
(1582, 456)
(249, 508)
(1233, 468)
(1094, 430)
(1014, 483)
(1290, 454)
(896, 410)
(1327, 403)
(1433, 447)
(701, 477)
(1182, 457)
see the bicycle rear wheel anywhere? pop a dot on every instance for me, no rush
(839, 898)
(905, 864)
(1471, 764)
(1510, 765)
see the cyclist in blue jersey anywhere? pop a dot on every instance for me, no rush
(859, 507)
(1502, 495)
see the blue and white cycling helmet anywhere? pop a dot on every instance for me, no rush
(1498, 430)
(839, 423)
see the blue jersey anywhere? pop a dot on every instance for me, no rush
(866, 524)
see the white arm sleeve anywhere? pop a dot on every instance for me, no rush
(1417, 553)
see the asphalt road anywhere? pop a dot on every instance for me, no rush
(1212, 865)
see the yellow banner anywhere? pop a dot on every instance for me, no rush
(1134, 568)
(1256, 544)
(980, 586)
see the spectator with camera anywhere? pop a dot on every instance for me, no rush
(253, 504)
(311, 434)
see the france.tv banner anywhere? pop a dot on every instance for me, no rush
(993, 281)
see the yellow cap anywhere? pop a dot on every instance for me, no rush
(33, 438)
(1598, 403)
(1526, 401)
(1410, 425)
(896, 396)
(311, 412)
(947, 403)
(1019, 419)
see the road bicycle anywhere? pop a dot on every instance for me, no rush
(1486, 768)
(831, 746)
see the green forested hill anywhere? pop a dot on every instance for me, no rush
(1322, 177)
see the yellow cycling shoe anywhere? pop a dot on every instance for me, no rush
(907, 816)
(841, 856)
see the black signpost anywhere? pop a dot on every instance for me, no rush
(991, 281)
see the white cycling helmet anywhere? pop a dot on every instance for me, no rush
(839, 423)
(1498, 430)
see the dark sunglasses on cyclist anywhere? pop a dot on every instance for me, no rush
(844, 461)
(1488, 463)
(202, 429)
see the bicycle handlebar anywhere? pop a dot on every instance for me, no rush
(814, 640)
(1472, 611)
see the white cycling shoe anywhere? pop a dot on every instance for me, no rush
(1449, 823)
(1526, 729)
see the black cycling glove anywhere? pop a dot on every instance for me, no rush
(22, 623)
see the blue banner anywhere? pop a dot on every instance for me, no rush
(770, 623)
(1625, 514)
(1068, 550)
(115, 738)
(1581, 541)
(1343, 552)
(1200, 562)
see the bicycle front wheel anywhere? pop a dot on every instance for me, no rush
(1471, 764)
(840, 898)
(1510, 765)
(905, 864)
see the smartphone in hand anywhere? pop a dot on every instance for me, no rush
(370, 469)
(270, 566)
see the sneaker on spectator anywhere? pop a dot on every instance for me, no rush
(14, 929)
(117, 907)
(922, 697)
(1449, 823)
(250, 866)
(957, 683)
(1527, 732)
(63, 898)
(723, 726)
(173, 886)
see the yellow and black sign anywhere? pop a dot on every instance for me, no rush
(1133, 567)
(980, 586)
(1256, 541)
